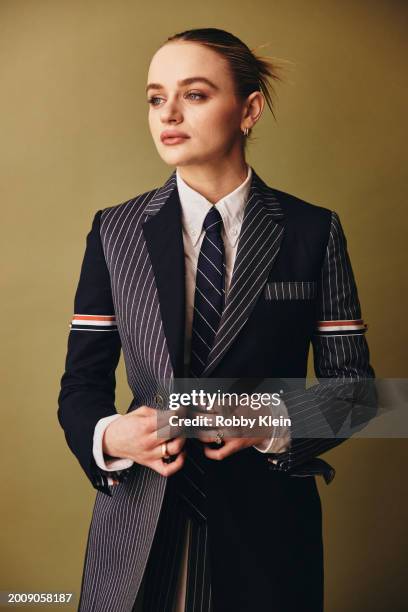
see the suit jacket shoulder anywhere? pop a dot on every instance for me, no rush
(306, 221)
(295, 207)
(138, 202)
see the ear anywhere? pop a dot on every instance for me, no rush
(253, 108)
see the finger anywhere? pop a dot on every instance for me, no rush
(167, 469)
(206, 438)
(176, 445)
(173, 447)
(218, 454)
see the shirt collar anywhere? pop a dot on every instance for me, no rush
(231, 208)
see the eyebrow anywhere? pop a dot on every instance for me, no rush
(184, 82)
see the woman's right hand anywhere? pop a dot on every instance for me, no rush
(134, 436)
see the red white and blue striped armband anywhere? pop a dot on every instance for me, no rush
(340, 327)
(93, 322)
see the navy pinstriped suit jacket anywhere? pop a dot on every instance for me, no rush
(292, 286)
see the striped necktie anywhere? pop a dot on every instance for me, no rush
(209, 295)
(190, 482)
(208, 304)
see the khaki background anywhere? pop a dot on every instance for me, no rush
(75, 139)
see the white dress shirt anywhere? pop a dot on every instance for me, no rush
(195, 207)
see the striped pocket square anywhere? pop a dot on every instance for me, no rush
(290, 290)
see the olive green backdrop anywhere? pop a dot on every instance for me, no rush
(75, 139)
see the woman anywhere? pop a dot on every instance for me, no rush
(213, 275)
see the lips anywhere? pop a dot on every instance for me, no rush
(173, 137)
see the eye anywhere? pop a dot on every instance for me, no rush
(192, 95)
(153, 99)
(196, 95)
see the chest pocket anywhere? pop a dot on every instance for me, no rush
(290, 290)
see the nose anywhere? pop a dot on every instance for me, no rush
(171, 112)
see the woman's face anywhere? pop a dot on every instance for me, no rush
(208, 113)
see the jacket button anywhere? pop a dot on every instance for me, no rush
(158, 399)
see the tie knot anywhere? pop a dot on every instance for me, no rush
(213, 221)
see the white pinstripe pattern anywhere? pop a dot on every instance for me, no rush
(239, 303)
(114, 587)
(123, 525)
(208, 280)
(159, 586)
(343, 356)
(290, 290)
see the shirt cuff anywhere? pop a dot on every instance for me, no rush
(276, 443)
(109, 465)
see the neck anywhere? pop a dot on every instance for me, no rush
(214, 180)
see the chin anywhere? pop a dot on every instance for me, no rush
(177, 159)
(180, 155)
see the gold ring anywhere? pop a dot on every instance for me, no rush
(165, 454)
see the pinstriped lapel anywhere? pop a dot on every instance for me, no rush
(259, 243)
(162, 230)
(161, 195)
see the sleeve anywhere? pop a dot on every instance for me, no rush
(87, 388)
(345, 399)
(279, 440)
